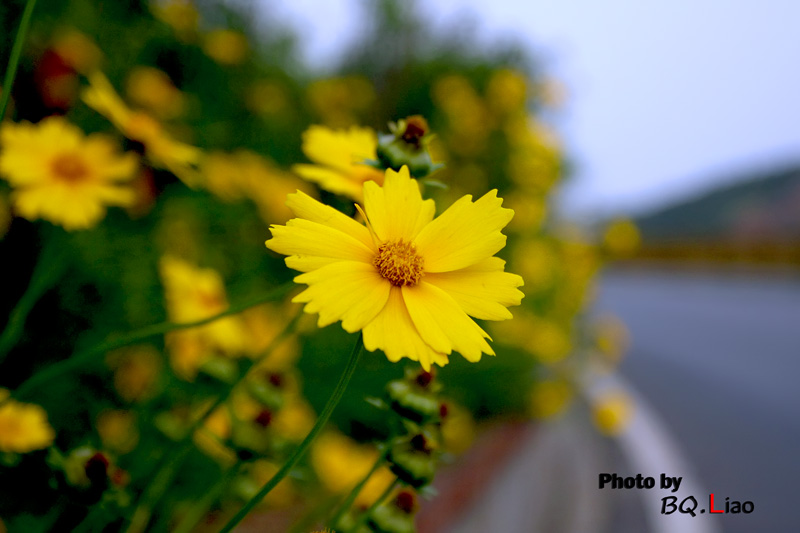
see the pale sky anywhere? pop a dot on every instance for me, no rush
(665, 98)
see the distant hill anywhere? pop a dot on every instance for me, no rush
(761, 209)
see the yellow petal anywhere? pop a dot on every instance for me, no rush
(397, 210)
(481, 292)
(442, 324)
(304, 238)
(464, 234)
(349, 291)
(393, 332)
(329, 179)
(304, 206)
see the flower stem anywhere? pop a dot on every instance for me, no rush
(348, 502)
(338, 392)
(57, 370)
(16, 52)
(49, 267)
(362, 519)
(175, 456)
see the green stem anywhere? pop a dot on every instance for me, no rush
(348, 502)
(362, 518)
(300, 451)
(175, 457)
(49, 267)
(16, 52)
(57, 370)
(199, 509)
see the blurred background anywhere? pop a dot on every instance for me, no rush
(659, 141)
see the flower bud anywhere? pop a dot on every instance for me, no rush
(407, 145)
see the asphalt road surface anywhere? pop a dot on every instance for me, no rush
(718, 357)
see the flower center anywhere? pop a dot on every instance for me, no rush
(69, 168)
(399, 263)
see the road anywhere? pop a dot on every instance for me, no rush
(718, 357)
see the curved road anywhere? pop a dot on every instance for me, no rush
(719, 358)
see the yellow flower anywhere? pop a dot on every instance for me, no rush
(77, 50)
(339, 157)
(60, 175)
(622, 238)
(117, 430)
(161, 149)
(612, 412)
(23, 427)
(507, 91)
(226, 47)
(409, 281)
(152, 89)
(340, 463)
(339, 101)
(550, 398)
(136, 371)
(193, 294)
(245, 174)
(181, 15)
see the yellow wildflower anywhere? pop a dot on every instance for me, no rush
(226, 47)
(258, 474)
(339, 157)
(161, 150)
(622, 238)
(507, 91)
(245, 174)
(612, 412)
(458, 429)
(409, 281)
(340, 463)
(550, 398)
(23, 427)
(77, 50)
(193, 294)
(181, 15)
(339, 101)
(152, 89)
(62, 176)
(117, 430)
(210, 438)
(136, 371)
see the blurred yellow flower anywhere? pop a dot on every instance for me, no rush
(136, 371)
(469, 121)
(611, 412)
(117, 430)
(295, 419)
(226, 47)
(192, 294)
(621, 238)
(152, 90)
(507, 91)
(338, 157)
(245, 174)
(458, 429)
(611, 338)
(340, 101)
(62, 176)
(256, 475)
(267, 98)
(77, 50)
(263, 324)
(211, 436)
(181, 15)
(340, 463)
(550, 398)
(23, 427)
(409, 281)
(161, 150)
